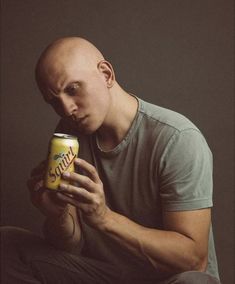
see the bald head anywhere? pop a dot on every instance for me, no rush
(80, 85)
(66, 51)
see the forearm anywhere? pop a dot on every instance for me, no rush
(167, 251)
(63, 232)
(180, 248)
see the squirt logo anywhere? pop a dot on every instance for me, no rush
(64, 161)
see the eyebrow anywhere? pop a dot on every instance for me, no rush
(72, 82)
(52, 94)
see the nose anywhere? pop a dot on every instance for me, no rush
(68, 105)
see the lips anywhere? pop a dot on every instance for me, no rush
(79, 120)
(76, 119)
(76, 122)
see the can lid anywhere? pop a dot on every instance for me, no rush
(64, 136)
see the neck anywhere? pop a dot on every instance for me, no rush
(123, 108)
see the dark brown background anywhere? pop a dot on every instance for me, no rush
(177, 54)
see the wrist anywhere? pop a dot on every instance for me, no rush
(106, 220)
(62, 225)
(58, 218)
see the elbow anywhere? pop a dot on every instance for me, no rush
(198, 263)
(202, 265)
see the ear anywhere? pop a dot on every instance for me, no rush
(107, 70)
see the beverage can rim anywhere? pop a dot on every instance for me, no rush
(64, 135)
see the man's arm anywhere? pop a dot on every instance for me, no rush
(61, 227)
(181, 246)
(63, 231)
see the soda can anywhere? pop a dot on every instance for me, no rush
(63, 149)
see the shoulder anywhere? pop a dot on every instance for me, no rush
(167, 131)
(164, 117)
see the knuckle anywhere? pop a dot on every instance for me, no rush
(96, 201)
(73, 174)
(38, 186)
(91, 210)
(70, 188)
(34, 186)
(88, 182)
(67, 187)
(93, 170)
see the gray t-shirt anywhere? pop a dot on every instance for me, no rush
(163, 163)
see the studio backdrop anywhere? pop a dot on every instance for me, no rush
(176, 54)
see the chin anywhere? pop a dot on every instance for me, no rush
(87, 130)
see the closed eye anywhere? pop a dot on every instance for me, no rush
(72, 89)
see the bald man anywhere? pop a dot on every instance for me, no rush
(138, 207)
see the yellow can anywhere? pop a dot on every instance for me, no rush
(63, 149)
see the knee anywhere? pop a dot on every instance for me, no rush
(14, 236)
(10, 231)
(195, 277)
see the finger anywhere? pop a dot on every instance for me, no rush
(67, 199)
(38, 186)
(37, 196)
(39, 169)
(34, 179)
(34, 184)
(90, 169)
(77, 193)
(85, 207)
(83, 181)
(38, 176)
(53, 196)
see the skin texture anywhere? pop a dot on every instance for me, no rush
(80, 85)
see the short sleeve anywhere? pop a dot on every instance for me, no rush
(186, 181)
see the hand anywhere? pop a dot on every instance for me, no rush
(88, 196)
(45, 200)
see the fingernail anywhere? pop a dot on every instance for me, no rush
(66, 174)
(77, 160)
(63, 186)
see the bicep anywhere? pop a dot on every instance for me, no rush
(194, 224)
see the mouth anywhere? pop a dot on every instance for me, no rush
(78, 120)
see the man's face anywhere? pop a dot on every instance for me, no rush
(78, 94)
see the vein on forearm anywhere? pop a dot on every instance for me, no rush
(164, 250)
